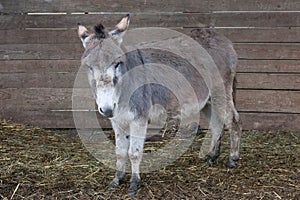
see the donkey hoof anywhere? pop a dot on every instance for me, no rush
(113, 184)
(210, 160)
(133, 187)
(231, 163)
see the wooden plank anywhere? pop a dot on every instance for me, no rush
(270, 121)
(74, 51)
(44, 80)
(252, 19)
(43, 119)
(43, 66)
(133, 6)
(109, 20)
(268, 101)
(38, 36)
(64, 119)
(25, 6)
(61, 99)
(275, 66)
(263, 121)
(268, 81)
(56, 119)
(256, 19)
(47, 99)
(66, 80)
(256, 35)
(265, 35)
(244, 5)
(36, 99)
(268, 51)
(236, 35)
(41, 51)
(40, 80)
(39, 66)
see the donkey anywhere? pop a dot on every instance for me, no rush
(130, 118)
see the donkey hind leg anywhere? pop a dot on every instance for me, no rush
(205, 146)
(216, 126)
(138, 131)
(235, 129)
(122, 145)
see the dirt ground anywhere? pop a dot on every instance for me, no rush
(49, 164)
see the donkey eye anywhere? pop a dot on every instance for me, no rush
(115, 79)
(118, 65)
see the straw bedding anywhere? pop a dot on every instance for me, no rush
(54, 164)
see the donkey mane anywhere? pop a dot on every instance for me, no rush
(100, 32)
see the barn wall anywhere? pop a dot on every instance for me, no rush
(40, 52)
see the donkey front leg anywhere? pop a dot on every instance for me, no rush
(138, 131)
(122, 146)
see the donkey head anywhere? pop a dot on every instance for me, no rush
(103, 59)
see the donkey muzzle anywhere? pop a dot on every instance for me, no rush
(107, 111)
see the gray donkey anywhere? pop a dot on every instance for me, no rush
(106, 66)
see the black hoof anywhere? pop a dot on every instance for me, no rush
(231, 163)
(112, 185)
(115, 183)
(134, 185)
(210, 160)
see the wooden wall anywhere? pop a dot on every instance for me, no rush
(40, 52)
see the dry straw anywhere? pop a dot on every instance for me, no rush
(53, 164)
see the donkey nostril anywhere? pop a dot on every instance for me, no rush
(101, 110)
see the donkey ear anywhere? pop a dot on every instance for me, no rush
(120, 30)
(83, 33)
